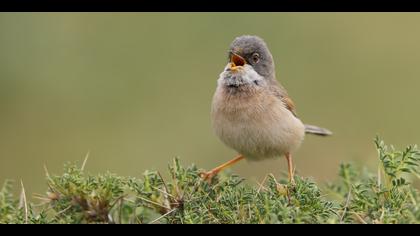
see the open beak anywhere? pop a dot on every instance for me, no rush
(236, 60)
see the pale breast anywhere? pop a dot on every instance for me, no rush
(255, 124)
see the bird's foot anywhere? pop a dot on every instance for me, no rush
(292, 182)
(208, 175)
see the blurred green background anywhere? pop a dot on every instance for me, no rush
(135, 89)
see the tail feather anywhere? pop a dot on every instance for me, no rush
(312, 129)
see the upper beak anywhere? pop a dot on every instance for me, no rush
(237, 60)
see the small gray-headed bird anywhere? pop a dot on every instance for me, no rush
(251, 112)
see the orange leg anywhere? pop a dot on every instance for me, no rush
(291, 171)
(210, 174)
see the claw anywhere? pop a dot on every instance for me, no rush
(207, 176)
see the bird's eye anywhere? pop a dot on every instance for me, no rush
(255, 57)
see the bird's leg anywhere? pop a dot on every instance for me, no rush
(290, 168)
(210, 174)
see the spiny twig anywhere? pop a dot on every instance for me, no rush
(85, 161)
(346, 205)
(162, 216)
(154, 203)
(23, 202)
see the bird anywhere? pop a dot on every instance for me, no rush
(251, 112)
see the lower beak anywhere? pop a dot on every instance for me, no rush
(236, 60)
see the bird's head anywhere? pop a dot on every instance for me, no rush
(249, 62)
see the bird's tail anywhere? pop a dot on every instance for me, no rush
(312, 129)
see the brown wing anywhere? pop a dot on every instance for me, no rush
(281, 93)
(290, 105)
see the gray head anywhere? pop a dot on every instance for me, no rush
(250, 65)
(255, 52)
